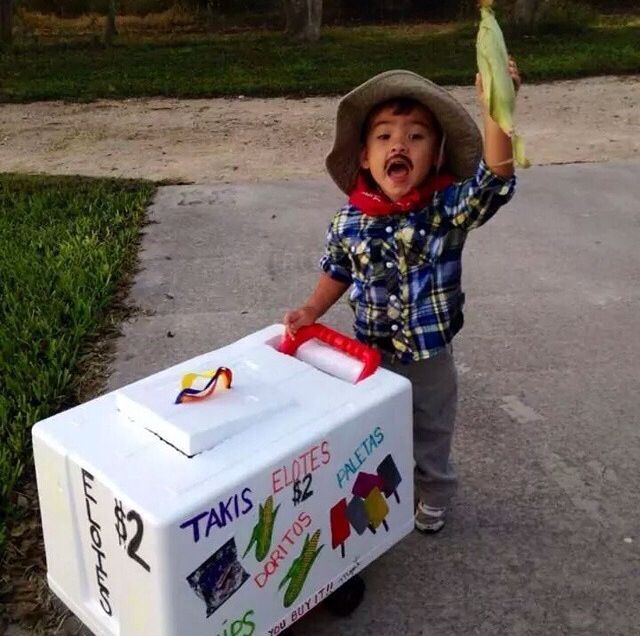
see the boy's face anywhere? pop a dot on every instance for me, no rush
(399, 150)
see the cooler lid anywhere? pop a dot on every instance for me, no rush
(193, 427)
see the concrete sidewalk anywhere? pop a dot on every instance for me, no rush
(544, 535)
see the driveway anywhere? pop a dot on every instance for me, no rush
(544, 535)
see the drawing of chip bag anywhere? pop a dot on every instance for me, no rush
(219, 577)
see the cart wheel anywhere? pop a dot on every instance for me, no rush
(347, 597)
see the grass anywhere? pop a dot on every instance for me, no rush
(65, 244)
(266, 64)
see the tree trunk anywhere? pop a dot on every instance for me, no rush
(524, 13)
(6, 22)
(110, 30)
(303, 19)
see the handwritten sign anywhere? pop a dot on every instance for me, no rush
(95, 532)
(303, 464)
(359, 456)
(218, 516)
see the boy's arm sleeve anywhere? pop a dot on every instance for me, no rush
(471, 203)
(335, 260)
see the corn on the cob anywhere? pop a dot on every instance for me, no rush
(300, 568)
(499, 92)
(263, 530)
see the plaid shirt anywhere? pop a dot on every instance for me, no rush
(406, 268)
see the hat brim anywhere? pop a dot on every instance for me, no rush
(463, 145)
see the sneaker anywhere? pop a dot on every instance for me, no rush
(429, 520)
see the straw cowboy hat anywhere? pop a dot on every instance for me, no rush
(463, 142)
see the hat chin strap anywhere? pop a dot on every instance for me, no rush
(440, 161)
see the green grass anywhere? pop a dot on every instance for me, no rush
(65, 244)
(266, 64)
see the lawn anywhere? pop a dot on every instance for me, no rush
(65, 245)
(266, 64)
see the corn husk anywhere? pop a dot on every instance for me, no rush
(499, 92)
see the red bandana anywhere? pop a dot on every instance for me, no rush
(376, 203)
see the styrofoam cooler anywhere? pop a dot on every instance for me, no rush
(234, 515)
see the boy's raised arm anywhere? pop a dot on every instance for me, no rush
(498, 153)
(471, 203)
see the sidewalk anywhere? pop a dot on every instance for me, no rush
(544, 535)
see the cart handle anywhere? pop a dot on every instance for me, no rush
(368, 355)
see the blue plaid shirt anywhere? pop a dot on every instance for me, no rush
(405, 269)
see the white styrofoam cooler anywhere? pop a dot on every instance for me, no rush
(156, 516)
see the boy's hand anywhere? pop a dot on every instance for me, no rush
(515, 75)
(325, 294)
(300, 317)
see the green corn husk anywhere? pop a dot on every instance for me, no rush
(499, 92)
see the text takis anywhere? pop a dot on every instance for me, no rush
(359, 456)
(224, 512)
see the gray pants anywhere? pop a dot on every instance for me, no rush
(435, 396)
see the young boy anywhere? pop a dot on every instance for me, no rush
(410, 159)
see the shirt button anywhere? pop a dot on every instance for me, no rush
(388, 229)
(394, 327)
(389, 264)
(422, 232)
(393, 298)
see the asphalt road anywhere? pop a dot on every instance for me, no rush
(544, 535)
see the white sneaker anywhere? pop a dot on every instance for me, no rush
(429, 520)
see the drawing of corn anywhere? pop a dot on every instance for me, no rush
(300, 568)
(263, 530)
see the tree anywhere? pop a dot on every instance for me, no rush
(524, 13)
(6, 23)
(110, 30)
(303, 18)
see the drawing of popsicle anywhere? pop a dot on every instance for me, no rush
(365, 483)
(358, 515)
(391, 478)
(377, 509)
(340, 529)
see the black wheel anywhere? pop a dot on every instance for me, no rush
(347, 597)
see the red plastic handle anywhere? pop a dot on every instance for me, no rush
(369, 356)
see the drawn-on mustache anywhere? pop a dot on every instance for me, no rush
(399, 158)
